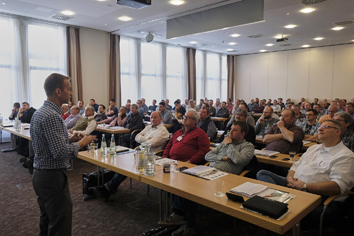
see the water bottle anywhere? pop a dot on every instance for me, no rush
(17, 124)
(113, 146)
(227, 134)
(103, 146)
(150, 162)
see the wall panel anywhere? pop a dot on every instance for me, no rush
(277, 75)
(259, 75)
(243, 77)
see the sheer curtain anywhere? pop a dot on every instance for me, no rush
(11, 77)
(200, 74)
(224, 82)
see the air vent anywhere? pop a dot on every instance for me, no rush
(285, 45)
(60, 17)
(345, 22)
(311, 2)
(256, 36)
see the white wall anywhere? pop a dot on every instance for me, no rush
(95, 65)
(325, 72)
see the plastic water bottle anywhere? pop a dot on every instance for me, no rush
(103, 146)
(150, 162)
(227, 134)
(113, 146)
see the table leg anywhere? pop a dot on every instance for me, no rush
(296, 229)
(13, 144)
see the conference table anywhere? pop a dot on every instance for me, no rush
(202, 191)
(24, 132)
(113, 130)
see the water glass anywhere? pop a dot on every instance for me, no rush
(292, 156)
(174, 166)
(219, 186)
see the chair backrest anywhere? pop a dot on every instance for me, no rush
(253, 167)
(175, 126)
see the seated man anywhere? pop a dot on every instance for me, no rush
(241, 115)
(266, 121)
(324, 169)
(259, 108)
(230, 106)
(80, 104)
(186, 103)
(201, 102)
(192, 140)
(101, 114)
(251, 105)
(281, 104)
(179, 110)
(26, 112)
(70, 105)
(350, 109)
(64, 111)
(127, 107)
(223, 111)
(348, 136)
(285, 136)
(71, 121)
(168, 106)
(111, 113)
(317, 107)
(134, 121)
(206, 124)
(85, 125)
(212, 109)
(94, 104)
(153, 106)
(166, 114)
(310, 127)
(249, 120)
(192, 106)
(155, 134)
(300, 118)
(14, 111)
(332, 109)
(121, 118)
(140, 109)
(144, 106)
(275, 106)
(217, 106)
(231, 156)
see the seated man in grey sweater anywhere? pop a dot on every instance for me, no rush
(266, 121)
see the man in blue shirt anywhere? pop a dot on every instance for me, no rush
(53, 152)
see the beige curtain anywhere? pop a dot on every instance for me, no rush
(231, 62)
(114, 68)
(74, 62)
(191, 70)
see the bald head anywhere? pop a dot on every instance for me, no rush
(332, 109)
(155, 118)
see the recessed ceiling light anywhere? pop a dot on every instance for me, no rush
(3, 3)
(105, 24)
(307, 10)
(338, 28)
(230, 50)
(269, 45)
(290, 26)
(67, 13)
(305, 46)
(318, 38)
(232, 43)
(193, 42)
(234, 35)
(101, 0)
(176, 2)
(278, 36)
(262, 50)
(124, 18)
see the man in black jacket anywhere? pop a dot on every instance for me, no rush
(206, 124)
(133, 122)
(26, 113)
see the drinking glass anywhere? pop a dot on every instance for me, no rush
(219, 186)
(292, 156)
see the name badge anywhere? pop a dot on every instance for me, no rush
(179, 138)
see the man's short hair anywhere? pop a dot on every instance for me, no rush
(336, 124)
(292, 112)
(76, 108)
(207, 109)
(201, 100)
(124, 108)
(80, 101)
(177, 102)
(90, 108)
(136, 106)
(162, 103)
(345, 115)
(196, 116)
(103, 106)
(112, 100)
(218, 99)
(223, 102)
(314, 111)
(243, 125)
(243, 112)
(154, 100)
(296, 105)
(211, 100)
(350, 104)
(17, 105)
(93, 100)
(191, 100)
(243, 103)
(54, 81)
(25, 103)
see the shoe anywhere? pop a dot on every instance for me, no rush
(22, 159)
(172, 220)
(184, 231)
(101, 191)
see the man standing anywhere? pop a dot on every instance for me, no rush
(26, 113)
(70, 122)
(284, 136)
(101, 113)
(266, 121)
(166, 114)
(80, 104)
(53, 152)
(206, 124)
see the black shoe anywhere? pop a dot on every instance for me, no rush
(101, 191)
(22, 160)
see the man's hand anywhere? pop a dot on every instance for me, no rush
(227, 140)
(120, 114)
(227, 159)
(86, 140)
(280, 124)
(75, 138)
(260, 121)
(298, 184)
(188, 161)
(291, 181)
(21, 109)
(71, 131)
(13, 110)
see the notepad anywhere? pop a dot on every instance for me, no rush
(205, 172)
(121, 149)
(249, 189)
(267, 153)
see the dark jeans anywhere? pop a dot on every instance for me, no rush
(52, 190)
(186, 208)
(115, 182)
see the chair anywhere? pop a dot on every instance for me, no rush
(133, 134)
(159, 153)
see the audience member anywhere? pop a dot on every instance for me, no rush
(249, 120)
(112, 109)
(212, 109)
(25, 113)
(14, 111)
(206, 124)
(80, 104)
(265, 121)
(186, 103)
(168, 106)
(307, 106)
(350, 109)
(192, 106)
(101, 114)
(85, 125)
(71, 121)
(127, 107)
(281, 104)
(223, 111)
(276, 108)
(120, 119)
(347, 136)
(153, 106)
(256, 101)
(166, 114)
(310, 127)
(64, 111)
(332, 109)
(317, 107)
(140, 109)
(144, 106)
(301, 101)
(70, 105)
(259, 108)
(133, 122)
(217, 105)
(94, 104)
(300, 118)
(229, 105)
(252, 105)
(179, 110)
(315, 102)
(284, 136)
(201, 102)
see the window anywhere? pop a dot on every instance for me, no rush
(213, 75)
(175, 74)
(46, 55)
(223, 96)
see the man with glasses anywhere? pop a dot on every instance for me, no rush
(348, 136)
(310, 127)
(285, 136)
(318, 108)
(266, 121)
(326, 169)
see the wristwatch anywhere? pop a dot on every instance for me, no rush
(304, 188)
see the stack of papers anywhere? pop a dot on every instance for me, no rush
(267, 153)
(163, 160)
(205, 172)
(115, 127)
(249, 189)
(306, 142)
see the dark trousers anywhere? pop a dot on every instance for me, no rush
(115, 182)
(186, 208)
(52, 190)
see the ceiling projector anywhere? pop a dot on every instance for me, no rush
(282, 40)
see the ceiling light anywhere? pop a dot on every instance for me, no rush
(230, 50)
(176, 2)
(305, 46)
(67, 13)
(269, 45)
(193, 42)
(3, 3)
(262, 50)
(232, 43)
(290, 26)
(338, 28)
(353, 40)
(318, 38)
(234, 35)
(105, 24)
(124, 18)
(307, 10)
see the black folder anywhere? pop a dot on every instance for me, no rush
(265, 206)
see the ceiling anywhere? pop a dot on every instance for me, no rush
(103, 15)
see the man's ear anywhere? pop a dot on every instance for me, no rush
(58, 92)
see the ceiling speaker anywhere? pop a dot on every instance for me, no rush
(149, 37)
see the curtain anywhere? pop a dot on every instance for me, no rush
(231, 63)
(114, 68)
(191, 70)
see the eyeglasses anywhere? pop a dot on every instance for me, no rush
(188, 117)
(327, 127)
